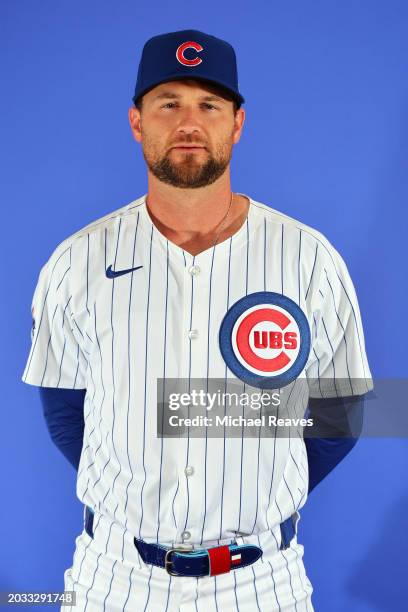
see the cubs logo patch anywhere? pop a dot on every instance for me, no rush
(183, 59)
(264, 339)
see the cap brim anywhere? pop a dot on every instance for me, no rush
(183, 77)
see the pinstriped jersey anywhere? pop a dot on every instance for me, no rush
(116, 334)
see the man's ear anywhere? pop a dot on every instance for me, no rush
(239, 120)
(135, 123)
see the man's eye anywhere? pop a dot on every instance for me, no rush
(173, 104)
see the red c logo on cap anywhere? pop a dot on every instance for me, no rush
(188, 45)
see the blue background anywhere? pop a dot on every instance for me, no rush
(325, 141)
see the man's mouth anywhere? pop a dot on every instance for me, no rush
(189, 148)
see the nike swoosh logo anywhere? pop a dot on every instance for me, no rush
(114, 273)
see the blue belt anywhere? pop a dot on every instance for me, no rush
(179, 561)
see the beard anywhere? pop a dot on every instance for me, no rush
(189, 172)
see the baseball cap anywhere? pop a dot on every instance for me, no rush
(187, 54)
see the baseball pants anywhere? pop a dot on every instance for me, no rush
(109, 575)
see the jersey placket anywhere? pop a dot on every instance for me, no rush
(190, 497)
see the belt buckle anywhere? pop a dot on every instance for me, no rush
(168, 561)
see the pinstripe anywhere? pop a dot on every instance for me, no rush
(100, 407)
(300, 576)
(129, 380)
(105, 242)
(313, 269)
(289, 489)
(130, 588)
(290, 449)
(225, 407)
(260, 546)
(300, 250)
(257, 479)
(172, 505)
(279, 510)
(110, 585)
(331, 348)
(264, 255)
(48, 345)
(315, 326)
(145, 382)
(168, 594)
(76, 582)
(255, 589)
(282, 259)
(113, 371)
(61, 360)
(235, 591)
(148, 587)
(206, 438)
(102, 384)
(274, 586)
(63, 348)
(282, 552)
(243, 411)
(196, 598)
(87, 274)
(215, 594)
(207, 374)
(77, 368)
(247, 257)
(342, 327)
(92, 408)
(164, 378)
(97, 568)
(273, 471)
(64, 275)
(189, 388)
(240, 476)
(113, 375)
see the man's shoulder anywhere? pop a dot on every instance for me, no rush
(101, 223)
(97, 225)
(292, 226)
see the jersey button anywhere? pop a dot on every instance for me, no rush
(186, 535)
(193, 333)
(189, 470)
(194, 270)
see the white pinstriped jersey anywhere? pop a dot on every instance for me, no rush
(115, 337)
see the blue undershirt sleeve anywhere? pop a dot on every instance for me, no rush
(63, 411)
(337, 427)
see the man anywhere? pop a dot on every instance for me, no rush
(192, 281)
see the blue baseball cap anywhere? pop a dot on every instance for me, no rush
(187, 54)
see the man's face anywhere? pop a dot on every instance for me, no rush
(187, 131)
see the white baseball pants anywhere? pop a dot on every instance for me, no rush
(108, 575)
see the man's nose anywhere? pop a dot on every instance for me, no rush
(189, 121)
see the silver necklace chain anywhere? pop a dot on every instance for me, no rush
(223, 221)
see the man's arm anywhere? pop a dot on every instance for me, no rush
(63, 410)
(339, 420)
(337, 426)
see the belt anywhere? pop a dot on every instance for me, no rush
(180, 561)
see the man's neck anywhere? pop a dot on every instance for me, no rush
(193, 218)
